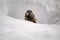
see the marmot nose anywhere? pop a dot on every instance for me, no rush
(29, 13)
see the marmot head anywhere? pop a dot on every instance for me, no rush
(30, 16)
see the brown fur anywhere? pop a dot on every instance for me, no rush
(30, 16)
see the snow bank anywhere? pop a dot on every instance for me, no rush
(15, 29)
(45, 11)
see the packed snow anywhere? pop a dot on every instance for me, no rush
(45, 11)
(16, 29)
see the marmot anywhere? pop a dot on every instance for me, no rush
(29, 16)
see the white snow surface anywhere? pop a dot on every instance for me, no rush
(16, 29)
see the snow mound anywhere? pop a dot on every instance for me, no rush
(15, 29)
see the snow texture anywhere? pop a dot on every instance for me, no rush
(15, 29)
(46, 11)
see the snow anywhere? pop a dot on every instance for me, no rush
(16, 29)
(45, 11)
